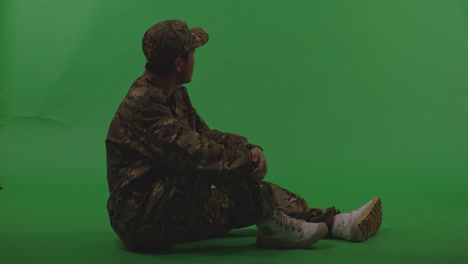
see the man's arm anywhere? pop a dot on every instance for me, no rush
(258, 160)
(162, 137)
(202, 128)
(217, 135)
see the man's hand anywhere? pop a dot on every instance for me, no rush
(259, 164)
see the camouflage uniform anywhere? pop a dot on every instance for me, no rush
(162, 160)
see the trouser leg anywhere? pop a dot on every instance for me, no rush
(235, 203)
(296, 206)
(221, 214)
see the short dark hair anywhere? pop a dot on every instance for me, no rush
(162, 67)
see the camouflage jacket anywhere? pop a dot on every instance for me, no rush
(152, 137)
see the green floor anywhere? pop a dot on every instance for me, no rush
(349, 99)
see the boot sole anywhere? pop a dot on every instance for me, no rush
(321, 232)
(369, 222)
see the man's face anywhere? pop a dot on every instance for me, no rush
(187, 68)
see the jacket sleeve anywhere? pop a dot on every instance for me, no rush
(171, 142)
(218, 136)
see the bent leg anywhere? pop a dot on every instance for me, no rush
(222, 214)
(234, 204)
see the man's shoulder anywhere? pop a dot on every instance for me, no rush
(142, 90)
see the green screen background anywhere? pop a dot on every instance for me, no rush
(349, 99)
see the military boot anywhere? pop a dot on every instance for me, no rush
(282, 231)
(360, 224)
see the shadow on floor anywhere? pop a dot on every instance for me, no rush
(242, 241)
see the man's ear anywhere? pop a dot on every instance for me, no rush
(178, 64)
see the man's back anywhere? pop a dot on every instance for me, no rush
(130, 153)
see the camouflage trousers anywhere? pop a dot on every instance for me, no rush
(221, 214)
(201, 213)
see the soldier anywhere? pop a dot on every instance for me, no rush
(162, 159)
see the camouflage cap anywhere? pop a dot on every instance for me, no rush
(167, 40)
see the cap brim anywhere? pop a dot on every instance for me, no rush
(199, 37)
